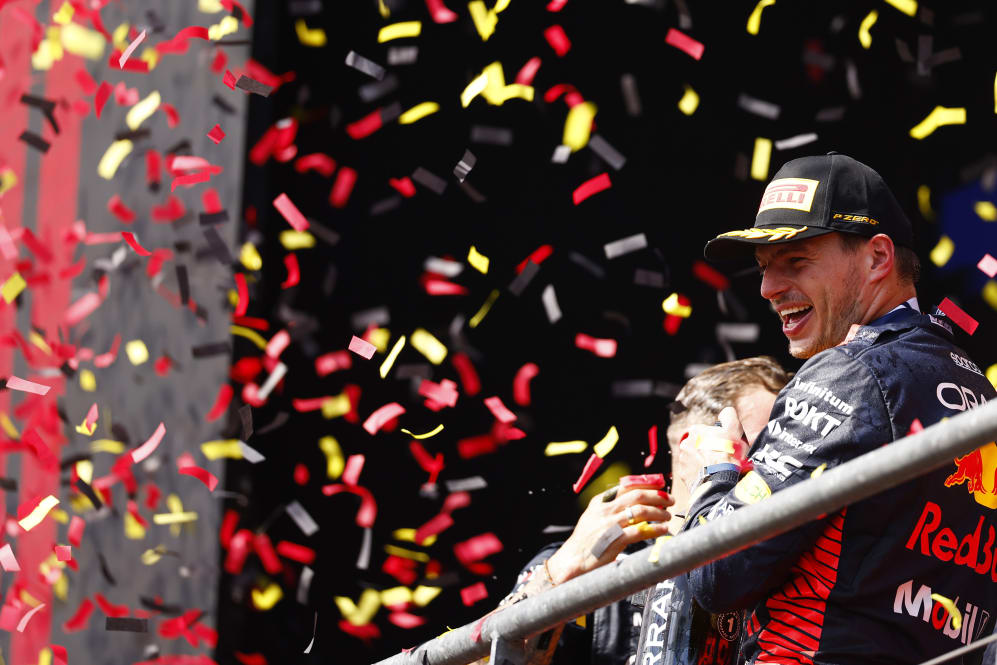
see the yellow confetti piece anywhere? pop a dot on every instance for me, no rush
(334, 462)
(992, 372)
(484, 309)
(908, 7)
(760, 159)
(292, 240)
(133, 529)
(490, 84)
(335, 407)
(15, 284)
(418, 112)
(49, 51)
(565, 447)
(433, 432)
(484, 19)
(608, 442)
(390, 360)
(249, 334)
(39, 341)
(864, 37)
(8, 180)
(986, 210)
(250, 257)
(424, 342)
(578, 125)
(360, 613)
(8, 426)
(60, 516)
(755, 19)
(581, 621)
(228, 448)
(423, 595)
(150, 55)
(942, 252)
(82, 41)
(107, 446)
(608, 478)
(314, 37)
(816, 473)
(383, 9)
(174, 518)
(64, 15)
(84, 469)
(408, 535)
(230, 25)
(924, 202)
(702, 520)
(83, 429)
(477, 260)
(399, 31)
(939, 116)
(45, 656)
(989, 293)
(136, 351)
(398, 595)
(379, 338)
(473, 89)
(35, 517)
(209, 6)
(660, 540)
(141, 111)
(88, 382)
(690, 100)
(406, 554)
(264, 599)
(113, 157)
(120, 36)
(152, 556)
(950, 607)
(671, 306)
(645, 529)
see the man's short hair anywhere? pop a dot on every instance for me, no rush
(908, 264)
(706, 394)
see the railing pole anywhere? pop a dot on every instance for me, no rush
(857, 479)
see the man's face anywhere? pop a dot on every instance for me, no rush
(815, 286)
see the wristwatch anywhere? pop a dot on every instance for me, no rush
(708, 471)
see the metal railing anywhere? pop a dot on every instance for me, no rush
(857, 479)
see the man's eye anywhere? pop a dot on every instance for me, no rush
(796, 260)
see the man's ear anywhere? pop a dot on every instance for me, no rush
(880, 256)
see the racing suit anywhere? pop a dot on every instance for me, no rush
(862, 585)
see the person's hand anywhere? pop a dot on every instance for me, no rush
(645, 503)
(705, 445)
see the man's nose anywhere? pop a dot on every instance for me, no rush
(772, 284)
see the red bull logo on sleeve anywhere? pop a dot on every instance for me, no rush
(976, 470)
(791, 193)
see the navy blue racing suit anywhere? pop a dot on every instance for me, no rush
(862, 585)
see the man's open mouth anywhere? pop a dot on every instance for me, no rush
(793, 318)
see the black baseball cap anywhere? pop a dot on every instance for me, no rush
(811, 196)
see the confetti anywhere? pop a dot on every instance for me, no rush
(418, 112)
(216, 134)
(302, 519)
(684, 43)
(132, 241)
(604, 348)
(760, 159)
(7, 559)
(23, 623)
(131, 49)
(942, 251)
(424, 342)
(607, 443)
(12, 287)
(755, 19)
(290, 212)
(565, 448)
(136, 351)
(472, 594)
(591, 466)
(592, 186)
(578, 125)
(795, 141)
(187, 467)
(15, 383)
(551, 306)
(464, 166)
(399, 31)
(558, 40)
(864, 37)
(950, 608)
(362, 348)
(127, 624)
(986, 211)
(521, 383)
(499, 410)
(38, 513)
(253, 86)
(362, 64)
(150, 445)
(313, 37)
(381, 416)
(908, 7)
(938, 117)
(988, 265)
(433, 432)
(958, 316)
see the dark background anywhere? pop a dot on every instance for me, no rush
(685, 180)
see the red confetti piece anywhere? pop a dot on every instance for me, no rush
(342, 187)
(377, 419)
(591, 186)
(131, 49)
(401, 569)
(218, 63)
(216, 134)
(672, 323)
(405, 619)
(225, 394)
(137, 66)
(467, 374)
(60, 656)
(477, 548)
(238, 551)
(591, 467)
(455, 501)
(316, 161)
(187, 467)
(124, 95)
(528, 71)
(362, 348)
(15, 383)
(915, 427)
(707, 273)
(655, 480)
(37, 248)
(436, 525)
(293, 271)
(7, 559)
(76, 527)
(296, 552)
(556, 5)
(521, 383)
(988, 265)
(290, 212)
(353, 392)
(171, 211)
(571, 95)
(537, 256)
(120, 210)
(150, 445)
(958, 316)
(179, 42)
(366, 125)
(264, 550)
(152, 496)
(431, 465)
(189, 180)
(499, 410)
(110, 609)
(103, 94)
(403, 186)
(210, 200)
(684, 43)
(558, 40)
(278, 343)
(108, 358)
(229, 79)
(129, 238)
(352, 469)
(229, 524)
(251, 658)
(162, 365)
(652, 442)
(368, 507)
(301, 474)
(443, 393)
(441, 287)
(472, 594)
(332, 362)
(439, 12)
(80, 618)
(604, 348)
(87, 85)
(242, 290)
(367, 632)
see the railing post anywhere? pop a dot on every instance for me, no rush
(507, 651)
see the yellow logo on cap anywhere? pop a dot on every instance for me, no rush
(791, 193)
(779, 233)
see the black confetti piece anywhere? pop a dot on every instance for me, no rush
(126, 624)
(183, 283)
(207, 218)
(253, 86)
(218, 246)
(246, 416)
(212, 349)
(35, 141)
